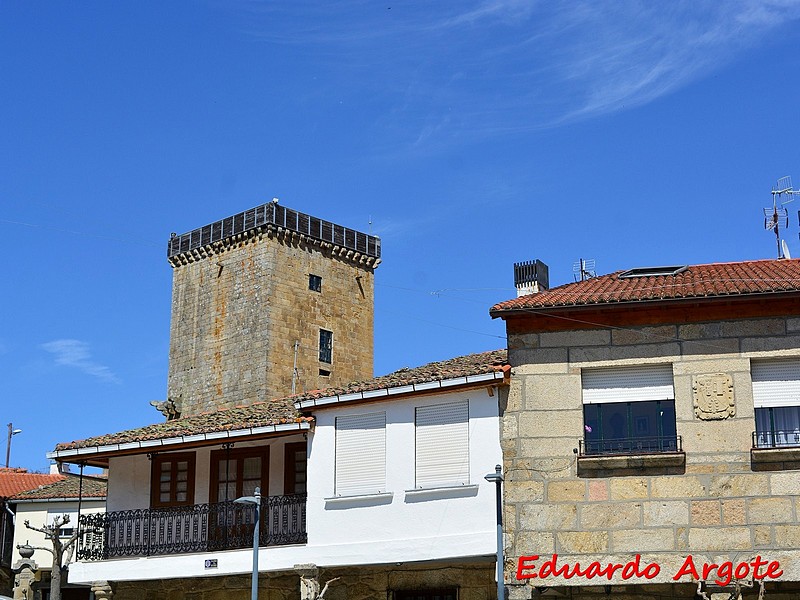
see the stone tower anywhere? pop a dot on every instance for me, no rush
(264, 300)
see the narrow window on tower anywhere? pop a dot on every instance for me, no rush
(325, 346)
(315, 283)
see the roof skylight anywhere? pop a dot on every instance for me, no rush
(653, 271)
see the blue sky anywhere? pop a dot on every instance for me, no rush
(472, 134)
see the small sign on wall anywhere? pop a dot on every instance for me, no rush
(211, 563)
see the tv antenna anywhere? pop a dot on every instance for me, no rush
(782, 193)
(583, 269)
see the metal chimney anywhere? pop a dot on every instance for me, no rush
(531, 277)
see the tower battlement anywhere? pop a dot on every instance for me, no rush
(197, 243)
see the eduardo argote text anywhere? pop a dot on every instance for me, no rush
(531, 567)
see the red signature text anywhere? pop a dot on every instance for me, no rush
(528, 569)
(531, 567)
(726, 571)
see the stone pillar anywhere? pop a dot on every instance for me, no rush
(309, 584)
(102, 590)
(26, 573)
(519, 591)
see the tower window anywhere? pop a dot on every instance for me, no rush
(315, 283)
(325, 346)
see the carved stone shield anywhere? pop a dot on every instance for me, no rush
(713, 396)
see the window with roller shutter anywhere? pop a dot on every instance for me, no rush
(360, 454)
(776, 397)
(629, 410)
(442, 445)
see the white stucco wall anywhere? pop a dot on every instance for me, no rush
(403, 527)
(406, 521)
(42, 513)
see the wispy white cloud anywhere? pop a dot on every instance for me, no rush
(476, 69)
(76, 354)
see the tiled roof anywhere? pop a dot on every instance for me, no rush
(282, 410)
(260, 414)
(14, 481)
(697, 281)
(68, 486)
(461, 366)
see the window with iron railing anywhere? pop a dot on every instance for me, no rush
(776, 397)
(629, 410)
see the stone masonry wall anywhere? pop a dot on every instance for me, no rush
(719, 506)
(237, 313)
(474, 582)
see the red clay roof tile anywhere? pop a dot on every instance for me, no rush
(68, 486)
(697, 281)
(13, 481)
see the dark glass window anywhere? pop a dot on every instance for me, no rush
(325, 346)
(630, 427)
(315, 283)
(777, 426)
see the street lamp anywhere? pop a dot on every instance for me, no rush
(256, 500)
(11, 432)
(497, 479)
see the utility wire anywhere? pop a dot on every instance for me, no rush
(84, 233)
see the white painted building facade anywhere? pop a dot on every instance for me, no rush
(394, 480)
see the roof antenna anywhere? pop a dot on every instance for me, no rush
(782, 193)
(583, 269)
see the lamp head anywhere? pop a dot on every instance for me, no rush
(495, 477)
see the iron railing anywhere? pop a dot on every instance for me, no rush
(776, 438)
(273, 213)
(184, 529)
(637, 445)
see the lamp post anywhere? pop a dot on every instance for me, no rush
(497, 478)
(256, 500)
(11, 432)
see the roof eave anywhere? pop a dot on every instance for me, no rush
(450, 384)
(66, 499)
(505, 312)
(92, 453)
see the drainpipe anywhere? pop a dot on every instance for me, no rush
(5, 525)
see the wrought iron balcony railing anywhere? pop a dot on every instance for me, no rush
(198, 528)
(638, 445)
(777, 438)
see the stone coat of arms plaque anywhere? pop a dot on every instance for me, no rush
(713, 396)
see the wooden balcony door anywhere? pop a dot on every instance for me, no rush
(235, 473)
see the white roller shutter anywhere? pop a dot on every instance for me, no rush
(776, 382)
(627, 384)
(442, 449)
(361, 454)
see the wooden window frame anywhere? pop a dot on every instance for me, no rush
(155, 479)
(239, 454)
(289, 471)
